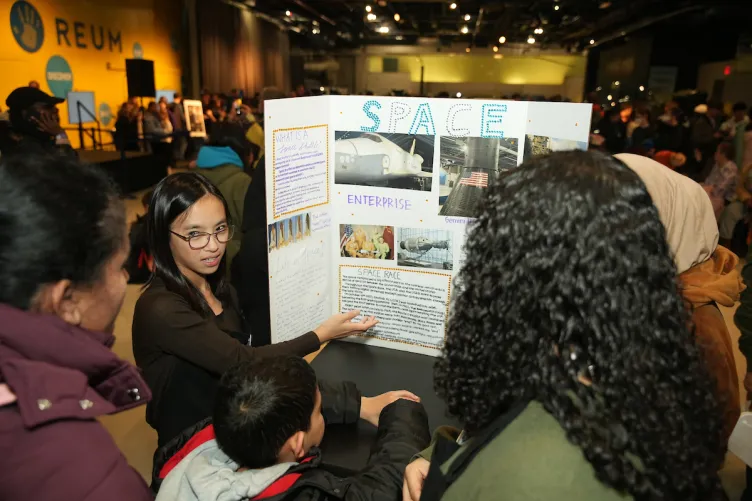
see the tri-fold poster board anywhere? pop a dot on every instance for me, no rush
(369, 200)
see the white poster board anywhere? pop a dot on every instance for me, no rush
(369, 199)
(194, 118)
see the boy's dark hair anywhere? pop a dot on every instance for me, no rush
(231, 134)
(260, 405)
(727, 149)
(740, 106)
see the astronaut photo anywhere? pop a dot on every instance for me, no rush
(366, 242)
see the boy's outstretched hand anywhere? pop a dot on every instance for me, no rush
(370, 408)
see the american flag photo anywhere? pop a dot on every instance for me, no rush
(477, 179)
(347, 232)
(469, 165)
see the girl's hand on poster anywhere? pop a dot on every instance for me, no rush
(370, 408)
(342, 325)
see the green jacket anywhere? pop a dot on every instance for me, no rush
(233, 183)
(530, 460)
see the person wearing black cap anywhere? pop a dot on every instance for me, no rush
(34, 123)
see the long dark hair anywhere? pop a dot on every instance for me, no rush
(59, 220)
(569, 278)
(174, 195)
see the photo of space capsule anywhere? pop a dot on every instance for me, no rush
(425, 248)
(400, 161)
(468, 166)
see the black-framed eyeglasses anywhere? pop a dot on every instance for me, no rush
(199, 240)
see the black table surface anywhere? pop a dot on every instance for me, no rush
(346, 448)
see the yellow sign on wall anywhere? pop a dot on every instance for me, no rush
(513, 70)
(73, 45)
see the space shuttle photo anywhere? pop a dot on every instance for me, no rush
(387, 160)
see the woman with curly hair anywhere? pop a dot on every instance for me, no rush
(569, 356)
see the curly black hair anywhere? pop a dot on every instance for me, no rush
(569, 297)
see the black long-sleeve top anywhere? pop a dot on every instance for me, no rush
(183, 354)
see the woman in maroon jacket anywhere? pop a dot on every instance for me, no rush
(63, 249)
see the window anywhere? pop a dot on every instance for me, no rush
(372, 137)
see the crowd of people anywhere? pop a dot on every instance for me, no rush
(585, 357)
(705, 145)
(162, 127)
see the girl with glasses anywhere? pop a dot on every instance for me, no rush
(188, 328)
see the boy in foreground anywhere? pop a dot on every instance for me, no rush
(268, 421)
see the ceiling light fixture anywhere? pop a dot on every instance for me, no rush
(467, 49)
(459, 94)
(502, 39)
(467, 17)
(384, 29)
(368, 8)
(316, 31)
(452, 5)
(495, 49)
(465, 30)
(371, 17)
(609, 97)
(556, 7)
(321, 89)
(642, 88)
(531, 40)
(397, 17)
(616, 83)
(288, 13)
(592, 41)
(399, 38)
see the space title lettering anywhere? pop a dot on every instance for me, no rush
(491, 117)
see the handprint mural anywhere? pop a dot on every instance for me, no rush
(27, 27)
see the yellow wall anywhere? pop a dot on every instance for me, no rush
(485, 68)
(154, 24)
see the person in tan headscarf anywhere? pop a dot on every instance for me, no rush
(707, 271)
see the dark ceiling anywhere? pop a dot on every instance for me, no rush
(566, 23)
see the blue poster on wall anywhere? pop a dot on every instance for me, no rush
(59, 77)
(26, 26)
